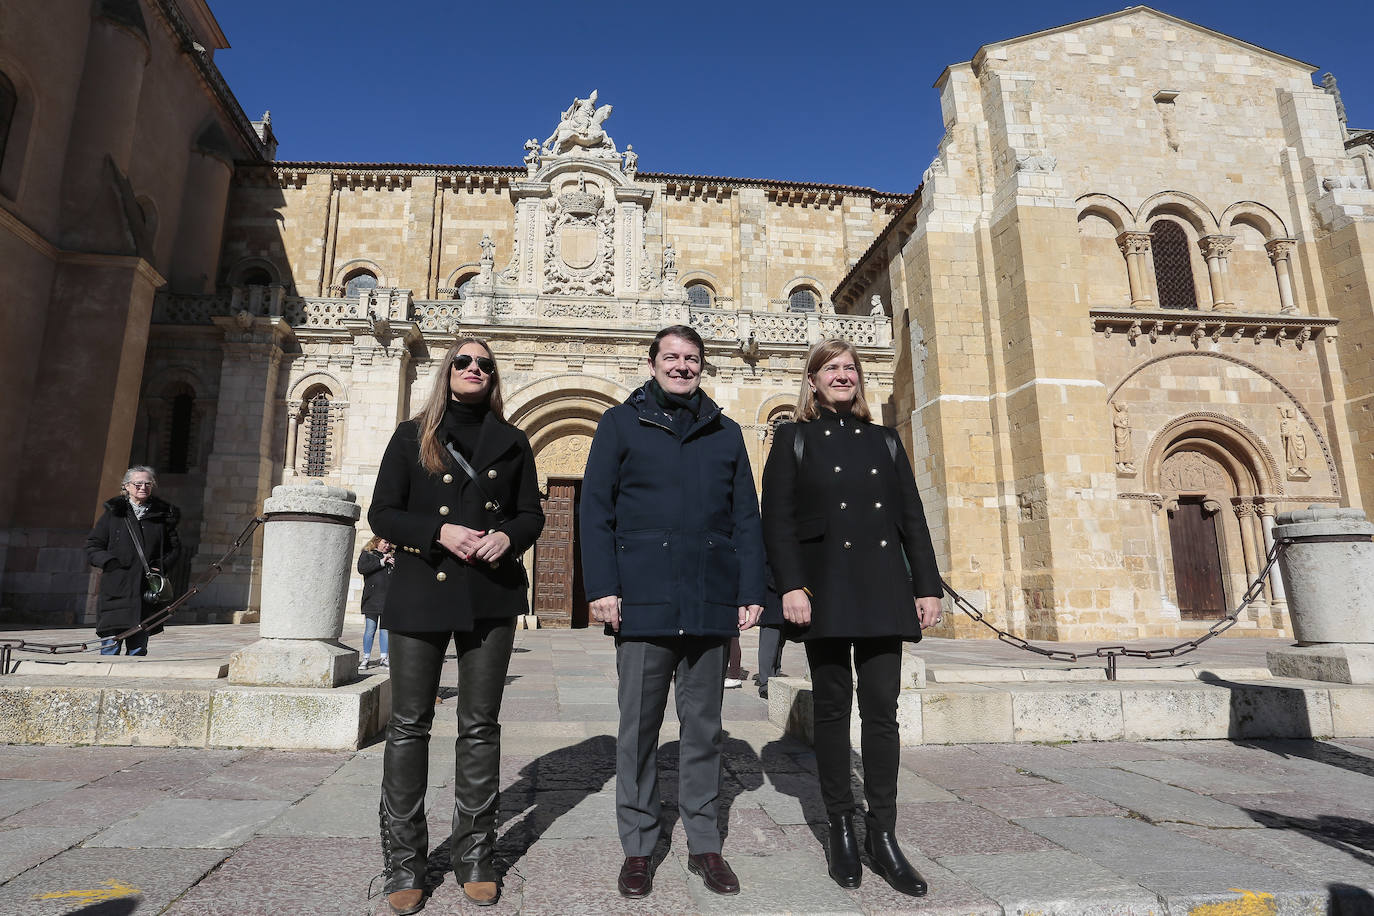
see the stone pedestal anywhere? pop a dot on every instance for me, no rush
(307, 557)
(1329, 571)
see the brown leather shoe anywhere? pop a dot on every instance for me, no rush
(715, 872)
(636, 880)
(410, 900)
(482, 893)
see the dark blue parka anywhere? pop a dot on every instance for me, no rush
(671, 525)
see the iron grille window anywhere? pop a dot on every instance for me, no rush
(9, 100)
(803, 300)
(1173, 266)
(179, 446)
(317, 437)
(699, 294)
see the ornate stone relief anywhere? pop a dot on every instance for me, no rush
(565, 457)
(1193, 472)
(579, 249)
(1294, 445)
(1121, 438)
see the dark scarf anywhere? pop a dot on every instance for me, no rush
(683, 410)
(462, 425)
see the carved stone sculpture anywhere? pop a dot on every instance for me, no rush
(1121, 438)
(1294, 445)
(580, 126)
(875, 306)
(631, 160)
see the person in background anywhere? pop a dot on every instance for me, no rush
(111, 548)
(376, 562)
(734, 671)
(770, 638)
(458, 495)
(852, 558)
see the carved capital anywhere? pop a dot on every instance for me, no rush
(1133, 243)
(1279, 249)
(1216, 246)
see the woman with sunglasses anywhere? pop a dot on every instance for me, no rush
(457, 494)
(110, 547)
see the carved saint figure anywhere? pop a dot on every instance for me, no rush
(1294, 444)
(1121, 437)
(669, 258)
(580, 125)
(876, 306)
(531, 155)
(631, 159)
(488, 251)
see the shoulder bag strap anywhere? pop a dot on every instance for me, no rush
(476, 481)
(138, 542)
(798, 444)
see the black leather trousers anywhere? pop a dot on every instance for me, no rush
(416, 662)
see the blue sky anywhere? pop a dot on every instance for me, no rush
(805, 91)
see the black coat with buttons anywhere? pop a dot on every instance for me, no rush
(669, 523)
(847, 525)
(432, 590)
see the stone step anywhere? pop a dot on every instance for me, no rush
(1205, 706)
(194, 713)
(123, 666)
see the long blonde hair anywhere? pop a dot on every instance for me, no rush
(432, 414)
(822, 353)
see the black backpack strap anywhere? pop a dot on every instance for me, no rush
(798, 444)
(892, 443)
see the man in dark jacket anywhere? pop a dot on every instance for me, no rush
(672, 557)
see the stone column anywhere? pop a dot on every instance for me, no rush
(1216, 249)
(307, 559)
(293, 419)
(1281, 255)
(1136, 247)
(1276, 590)
(1329, 568)
(1245, 512)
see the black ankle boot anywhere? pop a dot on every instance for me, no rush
(890, 865)
(845, 867)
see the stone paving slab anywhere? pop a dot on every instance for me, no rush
(323, 877)
(86, 807)
(190, 823)
(1148, 797)
(83, 877)
(21, 794)
(1053, 883)
(21, 848)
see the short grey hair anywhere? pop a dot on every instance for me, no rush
(138, 469)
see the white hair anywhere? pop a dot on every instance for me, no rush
(138, 469)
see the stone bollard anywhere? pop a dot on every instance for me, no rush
(307, 558)
(1328, 571)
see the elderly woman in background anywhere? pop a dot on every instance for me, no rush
(852, 558)
(376, 562)
(132, 520)
(457, 494)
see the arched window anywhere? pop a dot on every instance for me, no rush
(256, 276)
(464, 287)
(802, 300)
(9, 101)
(699, 294)
(317, 435)
(179, 452)
(1173, 265)
(357, 282)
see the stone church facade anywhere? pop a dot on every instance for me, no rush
(1121, 323)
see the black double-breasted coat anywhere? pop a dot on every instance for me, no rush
(376, 581)
(431, 590)
(110, 548)
(848, 525)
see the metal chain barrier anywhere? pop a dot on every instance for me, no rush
(1112, 653)
(9, 646)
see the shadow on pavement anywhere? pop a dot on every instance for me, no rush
(1349, 900)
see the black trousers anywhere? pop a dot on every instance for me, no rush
(878, 662)
(416, 662)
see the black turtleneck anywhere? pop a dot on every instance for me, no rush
(683, 410)
(462, 425)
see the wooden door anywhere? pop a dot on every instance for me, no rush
(1197, 562)
(559, 598)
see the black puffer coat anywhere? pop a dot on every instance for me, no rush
(670, 524)
(431, 590)
(849, 526)
(110, 547)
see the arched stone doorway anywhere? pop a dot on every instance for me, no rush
(559, 414)
(1216, 479)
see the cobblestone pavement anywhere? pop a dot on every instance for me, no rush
(1210, 828)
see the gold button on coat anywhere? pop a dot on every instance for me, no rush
(490, 507)
(882, 543)
(441, 576)
(847, 545)
(873, 471)
(492, 473)
(827, 432)
(844, 505)
(443, 510)
(877, 505)
(448, 478)
(837, 469)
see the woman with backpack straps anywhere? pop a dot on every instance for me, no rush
(852, 558)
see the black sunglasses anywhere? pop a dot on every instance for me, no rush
(485, 364)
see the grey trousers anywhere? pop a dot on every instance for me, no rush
(647, 668)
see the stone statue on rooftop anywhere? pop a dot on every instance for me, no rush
(580, 126)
